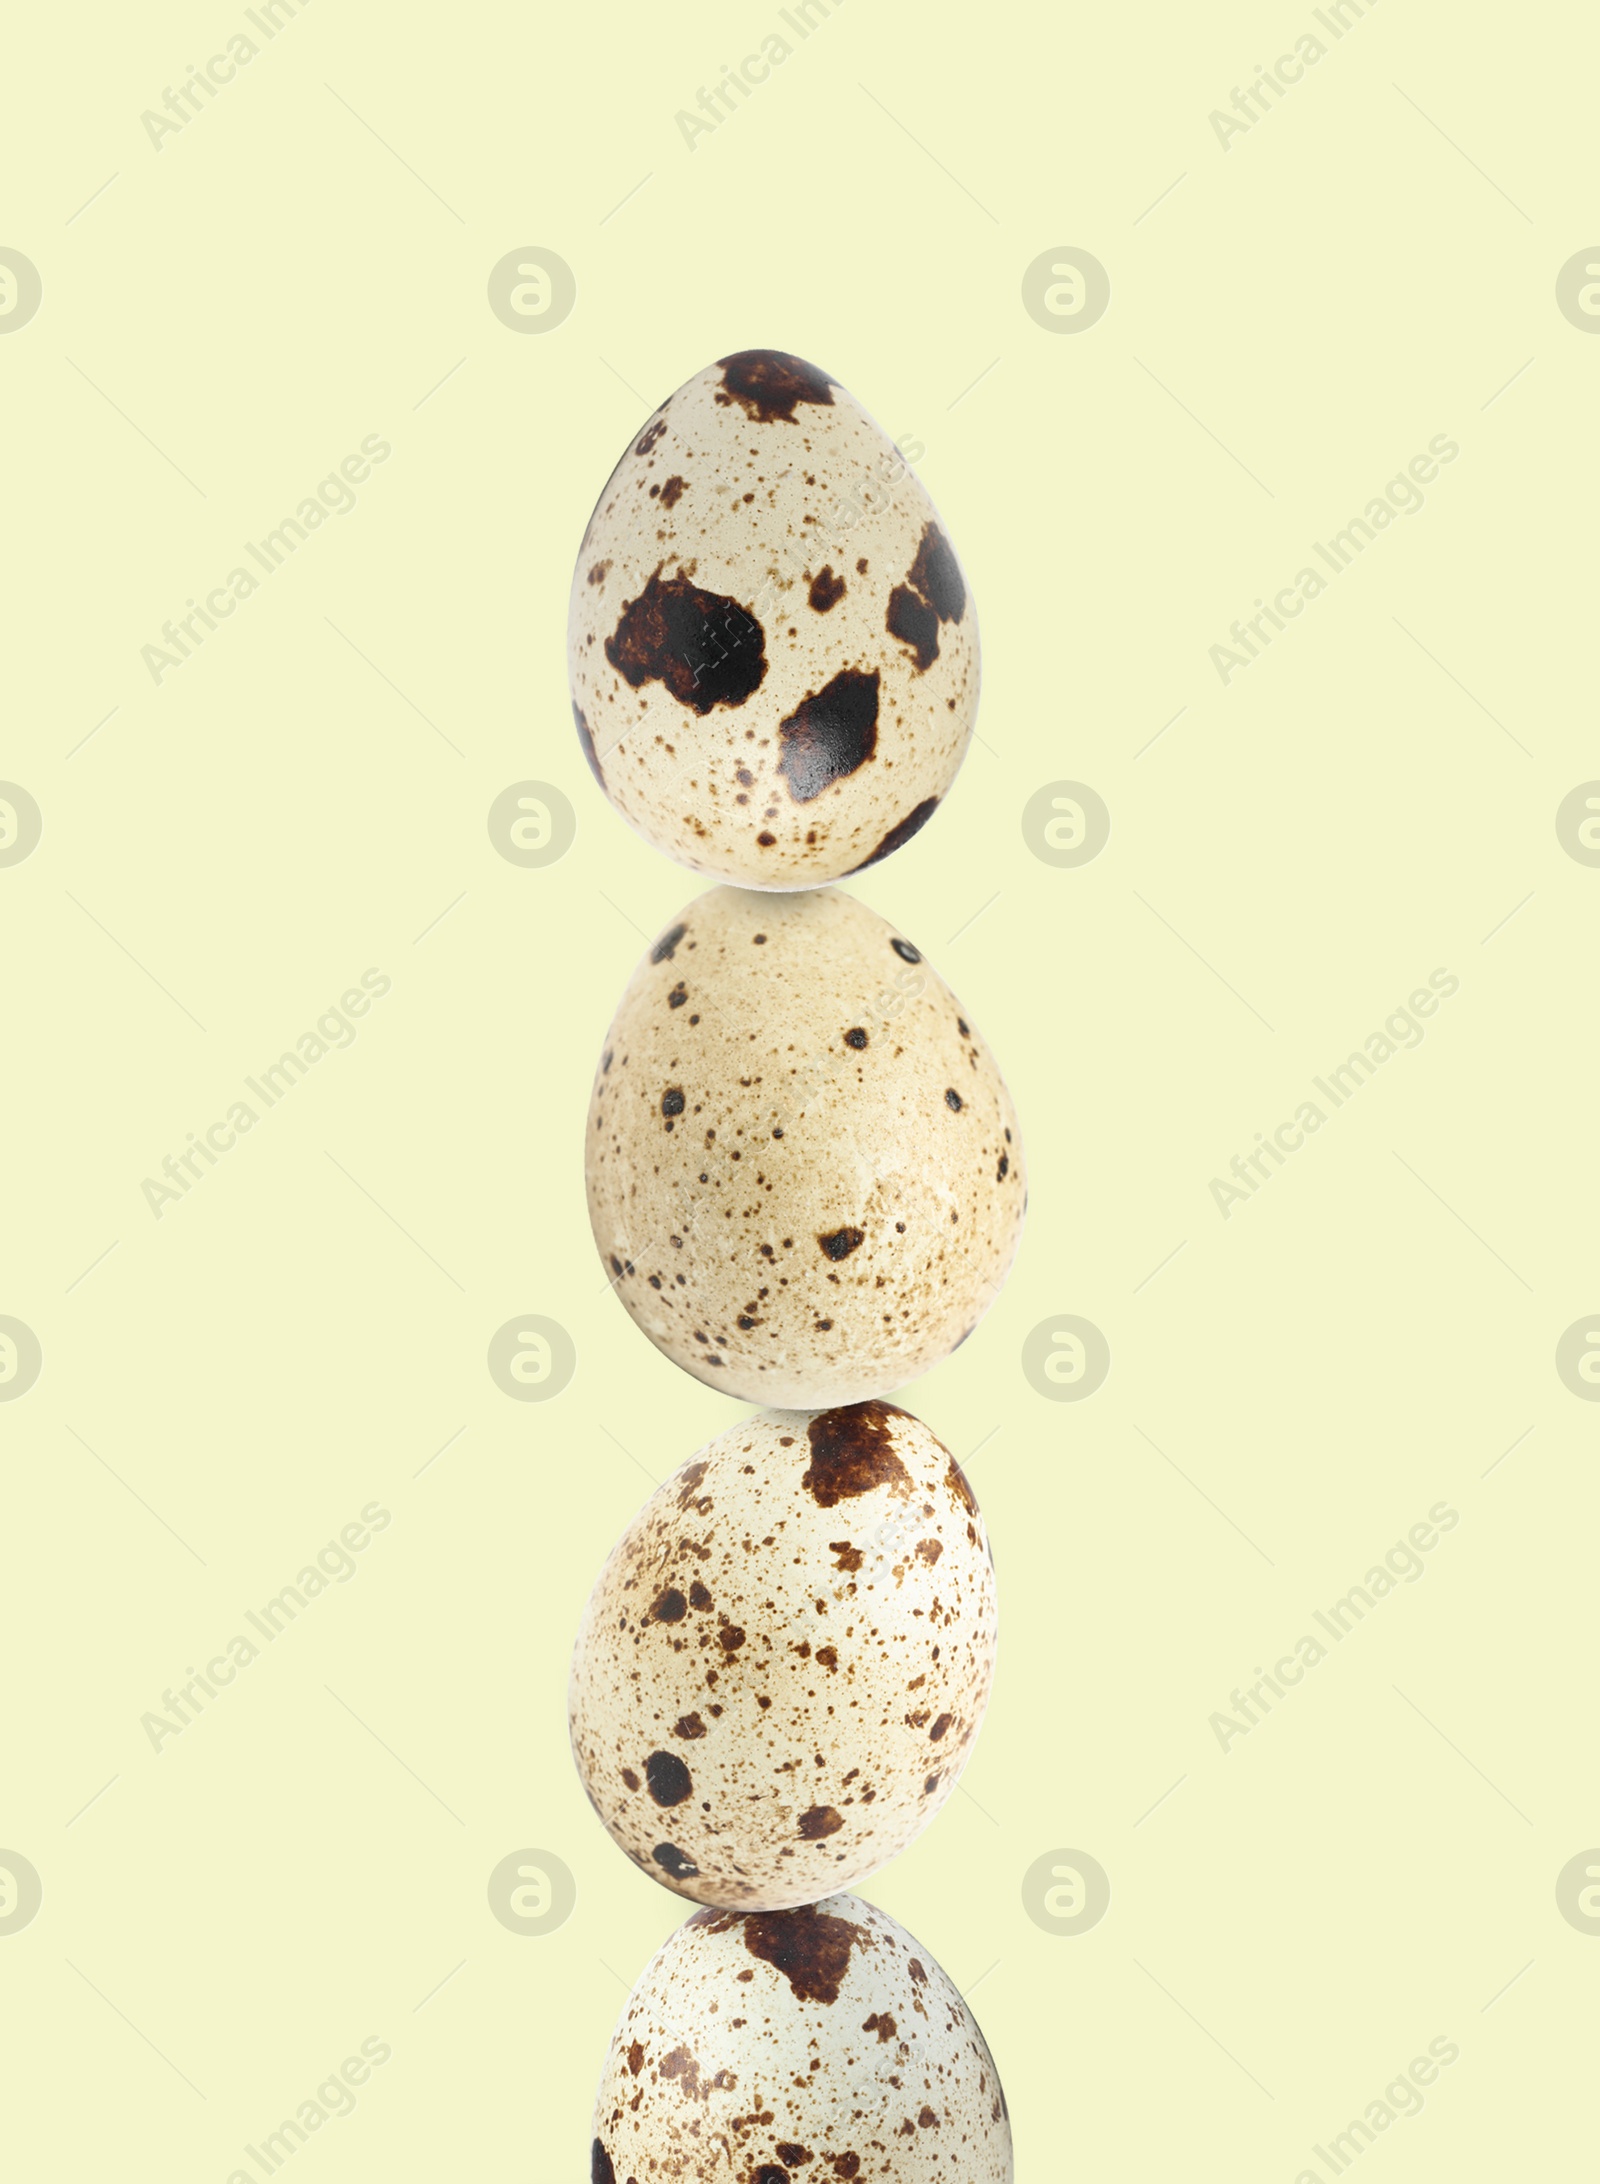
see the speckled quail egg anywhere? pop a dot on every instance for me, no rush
(772, 648)
(783, 1666)
(804, 1168)
(798, 2047)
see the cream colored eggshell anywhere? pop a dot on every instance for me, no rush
(772, 648)
(782, 1669)
(813, 2045)
(804, 1169)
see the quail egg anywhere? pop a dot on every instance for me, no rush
(772, 647)
(798, 2047)
(783, 1666)
(805, 1173)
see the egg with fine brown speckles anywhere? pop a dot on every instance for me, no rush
(822, 2044)
(782, 1669)
(805, 1173)
(772, 647)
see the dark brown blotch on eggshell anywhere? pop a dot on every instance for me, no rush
(901, 833)
(705, 648)
(852, 1452)
(933, 592)
(669, 1779)
(957, 1481)
(769, 384)
(840, 1242)
(916, 625)
(689, 1482)
(830, 733)
(810, 1947)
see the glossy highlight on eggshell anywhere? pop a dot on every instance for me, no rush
(805, 1173)
(772, 646)
(822, 2043)
(783, 1667)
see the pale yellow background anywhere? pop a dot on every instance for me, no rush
(1294, 319)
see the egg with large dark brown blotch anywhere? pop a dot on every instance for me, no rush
(819, 2044)
(804, 1169)
(783, 1666)
(772, 647)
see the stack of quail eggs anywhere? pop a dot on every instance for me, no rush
(806, 1182)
